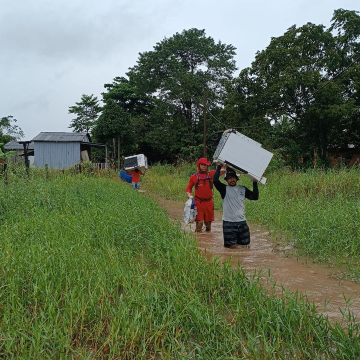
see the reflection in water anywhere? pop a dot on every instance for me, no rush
(330, 295)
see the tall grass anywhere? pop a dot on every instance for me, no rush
(318, 210)
(92, 269)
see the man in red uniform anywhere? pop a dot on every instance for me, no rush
(203, 182)
(136, 178)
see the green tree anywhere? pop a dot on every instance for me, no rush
(8, 130)
(244, 109)
(305, 74)
(87, 112)
(112, 124)
(182, 73)
(345, 61)
(122, 117)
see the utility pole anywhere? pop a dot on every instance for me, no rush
(119, 152)
(114, 154)
(204, 135)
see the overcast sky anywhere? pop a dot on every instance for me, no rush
(52, 52)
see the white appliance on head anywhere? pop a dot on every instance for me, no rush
(242, 153)
(136, 162)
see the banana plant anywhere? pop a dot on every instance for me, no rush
(4, 156)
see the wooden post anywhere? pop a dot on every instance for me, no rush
(26, 158)
(119, 153)
(5, 174)
(114, 157)
(47, 171)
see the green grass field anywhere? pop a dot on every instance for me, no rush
(91, 269)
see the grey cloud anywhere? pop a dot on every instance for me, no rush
(71, 31)
(53, 51)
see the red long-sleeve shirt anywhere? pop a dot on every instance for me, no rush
(135, 175)
(203, 190)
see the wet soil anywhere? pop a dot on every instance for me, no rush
(323, 286)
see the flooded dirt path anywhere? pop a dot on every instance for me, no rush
(320, 284)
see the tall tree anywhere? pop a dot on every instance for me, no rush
(181, 72)
(244, 109)
(87, 112)
(122, 116)
(305, 75)
(346, 63)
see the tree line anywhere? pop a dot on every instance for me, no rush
(300, 95)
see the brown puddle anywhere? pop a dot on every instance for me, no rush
(318, 283)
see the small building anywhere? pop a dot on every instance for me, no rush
(349, 156)
(62, 150)
(18, 156)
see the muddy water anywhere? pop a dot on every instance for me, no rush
(320, 284)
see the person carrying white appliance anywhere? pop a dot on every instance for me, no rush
(235, 229)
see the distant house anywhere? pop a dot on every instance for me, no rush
(19, 151)
(61, 150)
(349, 156)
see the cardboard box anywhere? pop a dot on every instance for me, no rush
(244, 154)
(136, 162)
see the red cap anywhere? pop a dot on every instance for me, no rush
(203, 161)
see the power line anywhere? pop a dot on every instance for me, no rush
(317, 90)
(225, 125)
(334, 77)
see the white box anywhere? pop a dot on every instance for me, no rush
(244, 154)
(136, 162)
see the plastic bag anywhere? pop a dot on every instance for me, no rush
(190, 211)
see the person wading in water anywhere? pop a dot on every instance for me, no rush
(235, 229)
(203, 183)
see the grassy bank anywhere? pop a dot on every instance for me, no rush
(92, 269)
(318, 211)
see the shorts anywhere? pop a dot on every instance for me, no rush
(205, 210)
(236, 233)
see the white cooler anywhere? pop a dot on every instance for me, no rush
(136, 162)
(244, 154)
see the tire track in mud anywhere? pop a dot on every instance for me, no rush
(320, 284)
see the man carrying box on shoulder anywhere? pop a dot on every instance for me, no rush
(136, 178)
(235, 229)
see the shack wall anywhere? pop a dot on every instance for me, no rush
(57, 155)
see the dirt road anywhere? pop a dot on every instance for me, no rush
(321, 285)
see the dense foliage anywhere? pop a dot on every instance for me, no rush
(306, 85)
(159, 108)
